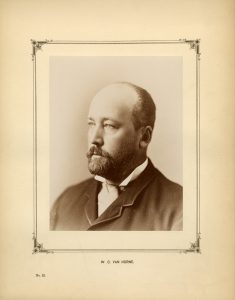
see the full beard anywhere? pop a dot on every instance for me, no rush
(103, 164)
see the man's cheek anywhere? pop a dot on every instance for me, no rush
(111, 144)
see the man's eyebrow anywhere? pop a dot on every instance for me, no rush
(112, 120)
(105, 119)
(115, 122)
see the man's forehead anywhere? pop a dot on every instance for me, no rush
(117, 95)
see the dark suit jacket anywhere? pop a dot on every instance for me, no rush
(151, 202)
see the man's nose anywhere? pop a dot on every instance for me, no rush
(96, 136)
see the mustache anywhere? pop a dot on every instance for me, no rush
(94, 150)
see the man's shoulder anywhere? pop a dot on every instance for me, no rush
(71, 200)
(167, 191)
(80, 187)
(82, 184)
(168, 196)
(74, 192)
(170, 185)
(167, 186)
(161, 180)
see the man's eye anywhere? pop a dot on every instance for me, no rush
(90, 124)
(109, 126)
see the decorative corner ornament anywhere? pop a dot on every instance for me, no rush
(38, 248)
(194, 44)
(37, 45)
(195, 247)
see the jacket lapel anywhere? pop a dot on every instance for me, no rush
(127, 197)
(91, 201)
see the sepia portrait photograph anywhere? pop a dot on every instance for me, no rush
(116, 143)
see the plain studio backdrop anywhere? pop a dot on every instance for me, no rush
(73, 83)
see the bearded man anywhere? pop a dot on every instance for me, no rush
(127, 192)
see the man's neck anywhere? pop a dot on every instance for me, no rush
(126, 173)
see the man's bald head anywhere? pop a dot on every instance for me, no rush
(136, 98)
(144, 111)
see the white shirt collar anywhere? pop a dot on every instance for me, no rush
(134, 174)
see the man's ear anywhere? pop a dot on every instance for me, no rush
(146, 135)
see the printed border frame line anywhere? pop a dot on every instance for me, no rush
(194, 44)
